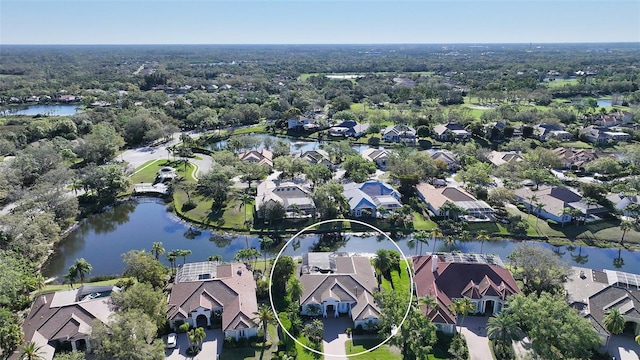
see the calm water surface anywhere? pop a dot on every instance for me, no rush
(103, 238)
(48, 110)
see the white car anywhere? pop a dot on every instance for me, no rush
(172, 340)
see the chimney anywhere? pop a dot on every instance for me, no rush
(434, 263)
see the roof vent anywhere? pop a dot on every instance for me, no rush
(240, 271)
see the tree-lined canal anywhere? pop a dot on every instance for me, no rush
(101, 239)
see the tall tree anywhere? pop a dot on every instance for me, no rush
(10, 333)
(540, 268)
(624, 227)
(31, 351)
(461, 306)
(82, 268)
(502, 329)
(196, 337)
(157, 249)
(129, 335)
(613, 322)
(143, 297)
(330, 201)
(144, 267)
(295, 289)
(483, 236)
(264, 316)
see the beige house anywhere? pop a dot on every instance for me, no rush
(64, 319)
(337, 284)
(260, 157)
(208, 294)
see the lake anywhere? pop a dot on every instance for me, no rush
(296, 146)
(47, 110)
(101, 239)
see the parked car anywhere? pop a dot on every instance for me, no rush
(172, 340)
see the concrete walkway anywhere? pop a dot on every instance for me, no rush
(475, 333)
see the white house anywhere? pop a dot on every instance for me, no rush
(378, 156)
(368, 198)
(399, 133)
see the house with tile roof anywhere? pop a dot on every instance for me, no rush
(260, 157)
(481, 278)
(295, 198)
(451, 132)
(436, 197)
(447, 157)
(64, 319)
(337, 284)
(317, 156)
(369, 198)
(215, 295)
(555, 200)
(399, 133)
(498, 158)
(349, 128)
(575, 158)
(378, 156)
(594, 292)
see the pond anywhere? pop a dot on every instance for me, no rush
(102, 239)
(45, 110)
(297, 146)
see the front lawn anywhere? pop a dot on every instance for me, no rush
(384, 352)
(400, 279)
(304, 354)
(422, 223)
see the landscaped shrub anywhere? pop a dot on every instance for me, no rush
(358, 330)
(458, 348)
(503, 351)
(552, 222)
(183, 328)
(229, 343)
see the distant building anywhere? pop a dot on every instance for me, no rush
(295, 199)
(447, 157)
(555, 199)
(436, 197)
(369, 198)
(349, 128)
(399, 133)
(260, 157)
(379, 156)
(317, 157)
(498, 158)
(481, 278)
(451, 132)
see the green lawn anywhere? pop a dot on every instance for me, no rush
(561, 82)
(577, 145)
(420, 223)
(232, 216)
(257, 129)
(58, 287)
(401, 281)
(146, 173)
(304, 354)
(360, 345)
(246, 353)
(491, 228)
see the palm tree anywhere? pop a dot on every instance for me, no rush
(428, 301)
(465, 236)
(502, 328)
(435, 234)
(613, 322)
(157, 249)
(590, 202)
(531, 199)
(382, 263)
(618, 262)
(566, 211)
(624, 226)
(217, 258)
(184, 254)
(295, 289)
(244, 199)
(82, 268)
(421, 237)
(265, 244)
(31, 351)
(539, 208)
(196, 337)
(482, 235)
(461, 306)
(264, 316)
(172, 256)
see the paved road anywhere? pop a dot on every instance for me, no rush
(623, 347)
(475, 333)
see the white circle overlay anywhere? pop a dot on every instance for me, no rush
(275, 261)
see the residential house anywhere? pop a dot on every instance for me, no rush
(317, 157)
(575, 158)
(437, 197)
(545, 132)
(260, 157)
(602, 135)
(337, 284)
(64, 319)
(498, 158)
(621, 202)
(295, 198)
(349, 128)
(447, 157)
(300, 123)
(614, 119)
(378, 156)
(451, 132)
(553, 201)
(369, 198)
(481, 278)
(399, 133)
(208, 294)
(594, 292)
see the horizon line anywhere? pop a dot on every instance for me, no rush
(307, 44)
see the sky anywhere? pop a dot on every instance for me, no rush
(317, 22)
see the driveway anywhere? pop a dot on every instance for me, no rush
(211, 347)
(623, 347)
(335, 338)
(475, 333)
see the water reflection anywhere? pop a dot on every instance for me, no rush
(103, 238)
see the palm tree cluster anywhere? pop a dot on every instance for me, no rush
(503, 329)
(78, 270)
